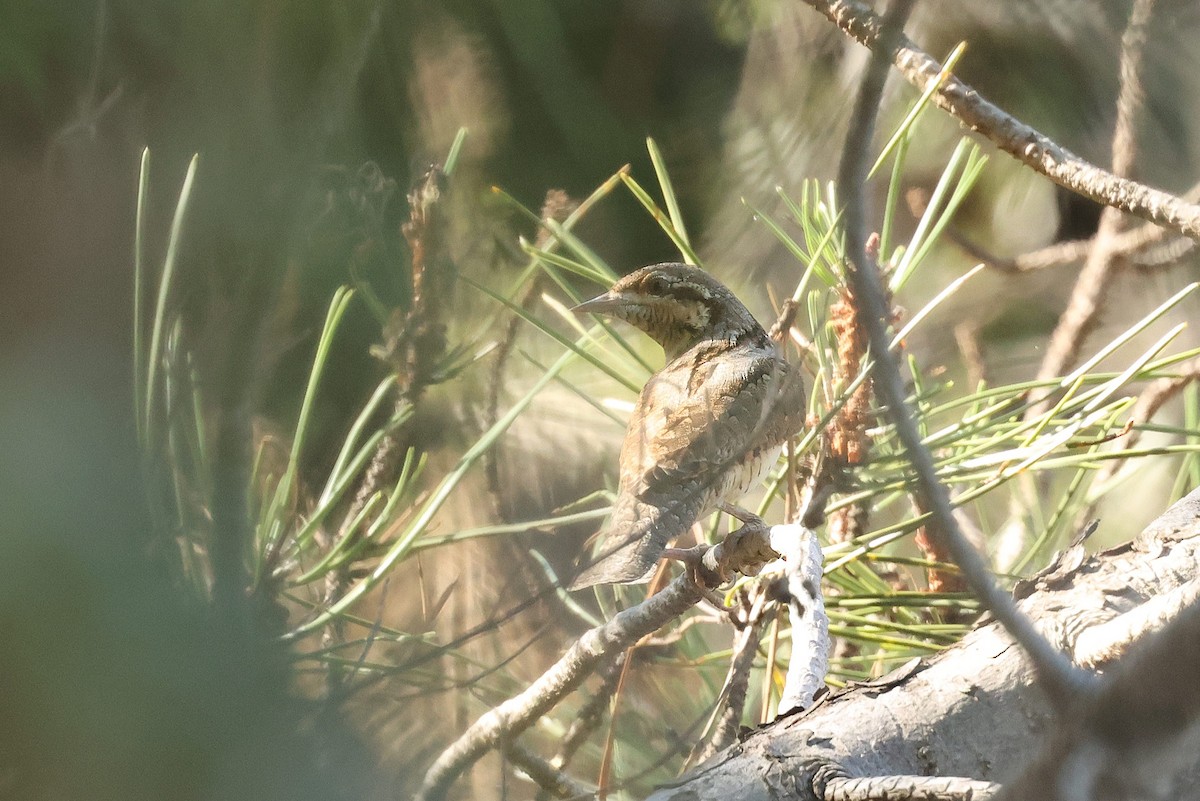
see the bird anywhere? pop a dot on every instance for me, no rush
(706, 427)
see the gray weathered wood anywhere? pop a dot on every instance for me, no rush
(970, 711)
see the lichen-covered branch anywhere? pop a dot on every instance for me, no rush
(517, 714)
(500, 726)
(975, 709)
(803, 560)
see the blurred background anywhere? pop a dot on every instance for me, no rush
(311, 121)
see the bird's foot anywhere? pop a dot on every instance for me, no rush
(697, 571)
(744, 550)
(748, 547)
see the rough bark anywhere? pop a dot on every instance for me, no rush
(971, 711)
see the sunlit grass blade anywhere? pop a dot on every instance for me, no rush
(570, 291)
(574, 347)
(1026, 456)
(938, 299)
(1104, 392)
(355, 434)
(944, 633)
(420, 523)
(154, 355)
(341, 482)
(909, 598)
(892, 205)
(553, 242)
(877, 539)
(354, 544)
(577, 246)
(660, 217)
(961, 172)
(451, 162)
(823, 238)
(631, 358)
(565, 263)
(1189, 472)
(905, 129)
(412, 468)
(140, 357)
(859, 634)
(283, 490)
(1051, 532)
(1127, 335)
(668, 191)
(347, 538)
(568, 601)
(784, 238)
(428, 542)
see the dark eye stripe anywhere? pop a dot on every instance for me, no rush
(685, 292)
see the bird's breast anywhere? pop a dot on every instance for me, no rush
(748, 473)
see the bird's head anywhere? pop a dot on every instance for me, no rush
(677, 305)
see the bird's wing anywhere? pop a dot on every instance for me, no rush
(733, 409)
(689, 429)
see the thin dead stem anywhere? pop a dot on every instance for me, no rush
(753, 610)
(1091, 288)
(500, 727)
(1062, 682)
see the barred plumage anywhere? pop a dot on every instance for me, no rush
(705, 428)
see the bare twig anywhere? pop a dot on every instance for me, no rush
(544, 774)
(1062, 681)
(737, 680)
(589, 717)
(741, 551)
(1014, 137)
(1145, 246)
(1142, 247)
(517, 714)
(966, 336)
(784, 322)
(1088, 295)
(1055, 255)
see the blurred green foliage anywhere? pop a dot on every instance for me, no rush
(312, 118)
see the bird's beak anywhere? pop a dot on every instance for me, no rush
(601, 304)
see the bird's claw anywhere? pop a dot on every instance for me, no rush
(744, 550)
(747, 548)
(698, 572)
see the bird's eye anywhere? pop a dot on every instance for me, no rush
(655, 285)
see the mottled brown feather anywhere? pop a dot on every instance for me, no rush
(704, 428)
